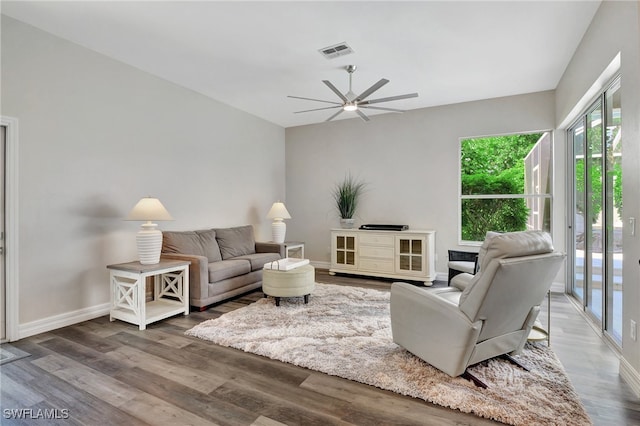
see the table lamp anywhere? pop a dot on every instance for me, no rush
(149, 239)
(278, 212)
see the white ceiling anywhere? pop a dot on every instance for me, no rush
(251, 55)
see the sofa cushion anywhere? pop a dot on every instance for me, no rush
(185, 242)
(210, 244)
(258, 260)
(200, 243)
(236, 241)
(225, 269)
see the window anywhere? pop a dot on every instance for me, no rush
(505, 184)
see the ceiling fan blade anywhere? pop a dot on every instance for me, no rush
(382, 109)
(335, 115)
(318, 109)
(335, 90)
(372, 89)
(391, 98)
(362, 115)
(316, 100)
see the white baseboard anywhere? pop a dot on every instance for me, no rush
(62, 320)
(630, 376)
(320, 265)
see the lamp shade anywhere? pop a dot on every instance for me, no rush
(149, 209)
(149, 239)
(278, 211)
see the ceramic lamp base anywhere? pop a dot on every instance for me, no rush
(149, 242)
(278, 231)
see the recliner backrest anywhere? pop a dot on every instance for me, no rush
(508, 290)
(517, 270)
(513, 244)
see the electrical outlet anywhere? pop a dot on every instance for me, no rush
(632, 330)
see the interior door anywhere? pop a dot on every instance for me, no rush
(3, 288)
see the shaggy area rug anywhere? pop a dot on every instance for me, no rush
(346, 332)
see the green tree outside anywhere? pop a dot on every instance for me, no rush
(494, 165)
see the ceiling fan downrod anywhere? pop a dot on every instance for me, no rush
(351, 105)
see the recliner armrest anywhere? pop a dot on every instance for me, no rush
(429, 324)
(461, 281)
(427, 303)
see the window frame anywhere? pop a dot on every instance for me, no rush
(546, 196)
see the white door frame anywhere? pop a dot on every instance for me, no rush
(11, 226)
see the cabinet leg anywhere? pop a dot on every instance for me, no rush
(332, 273)
(428, 283)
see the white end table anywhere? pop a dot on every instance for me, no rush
(296, 247)
(170, 291)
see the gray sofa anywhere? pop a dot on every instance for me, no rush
(225, 262)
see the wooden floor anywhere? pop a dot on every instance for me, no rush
(102, 373)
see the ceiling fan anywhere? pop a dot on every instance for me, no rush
(353, 102)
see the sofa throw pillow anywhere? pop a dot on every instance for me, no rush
(183, 242)
(210, 245)
(237, 241)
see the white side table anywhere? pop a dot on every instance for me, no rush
(294, 249)
(170, 291)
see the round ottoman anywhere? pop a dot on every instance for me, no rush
(293, 283)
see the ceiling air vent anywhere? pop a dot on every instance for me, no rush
(336, 50)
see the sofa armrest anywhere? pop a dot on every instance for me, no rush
(198, 274)
(264, 247)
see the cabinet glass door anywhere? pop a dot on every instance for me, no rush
(346, 250)
(410, 254)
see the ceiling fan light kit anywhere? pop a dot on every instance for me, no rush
(351, 102)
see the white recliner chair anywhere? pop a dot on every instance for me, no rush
(480, 316)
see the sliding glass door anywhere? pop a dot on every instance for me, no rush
(596, 232)
(613, 210)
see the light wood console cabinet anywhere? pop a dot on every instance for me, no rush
(408, 255)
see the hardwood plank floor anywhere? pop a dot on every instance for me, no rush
(110, 373)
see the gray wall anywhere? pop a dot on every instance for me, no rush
(97, 135)
(615, 29)
(409, 161)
